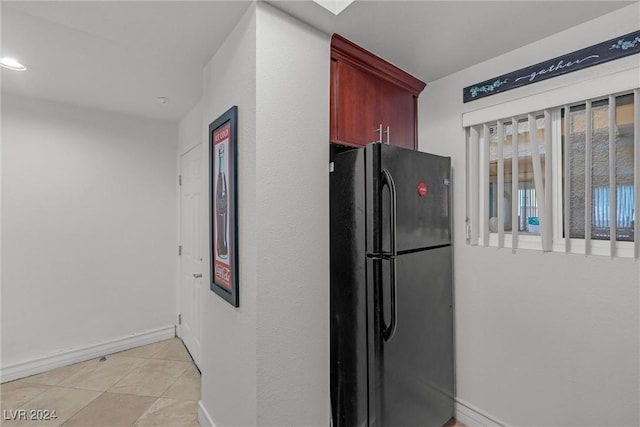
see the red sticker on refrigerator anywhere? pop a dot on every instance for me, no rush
(422, 189)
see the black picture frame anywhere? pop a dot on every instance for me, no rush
(223, 207)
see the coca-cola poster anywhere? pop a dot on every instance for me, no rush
(223, 212)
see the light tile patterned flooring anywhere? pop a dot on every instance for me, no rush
(454, 423)
(153, 385)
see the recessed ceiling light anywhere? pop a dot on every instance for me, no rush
(163, 99)
(334, 6)
(11, 64)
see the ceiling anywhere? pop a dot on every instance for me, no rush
(115, 55)
(432, 39)
(122, 55)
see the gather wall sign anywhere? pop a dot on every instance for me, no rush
(600, 53)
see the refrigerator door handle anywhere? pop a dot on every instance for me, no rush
(387, 180)
(389, 331)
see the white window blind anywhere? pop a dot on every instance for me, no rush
(562, 178)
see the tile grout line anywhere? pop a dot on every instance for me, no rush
(26, 379)
(133, 369)
(158, 398)
(102, 391)
(49, 387)
(150, 357)
(34, 397)
(80, 388)
(45, 388)
(144, 412)
(161, 396)
(112, 385)
(176, 380)
(154, 402)
(75, 413)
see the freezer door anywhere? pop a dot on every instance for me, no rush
(414, 370)
(421, 182)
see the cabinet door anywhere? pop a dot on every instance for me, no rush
(397, 109)
(366, 92)
(354, 105)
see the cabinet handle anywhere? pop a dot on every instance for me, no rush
(379, 130)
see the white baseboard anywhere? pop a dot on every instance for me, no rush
(75, 355)
(203, 416)
(474, 417)
(464, 412)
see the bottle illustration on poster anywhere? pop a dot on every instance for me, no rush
(222, 246)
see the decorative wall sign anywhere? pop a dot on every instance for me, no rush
(223, 160)
(600, 53)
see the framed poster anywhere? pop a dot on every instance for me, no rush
(223, 162)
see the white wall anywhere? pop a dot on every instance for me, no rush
(267, 362)
(541, 339)
(190, 130)
(88, 227)
(293, 210)
(229, 334)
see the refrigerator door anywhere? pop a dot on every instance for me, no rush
(414, 369)
(348, 292)
(422, 191)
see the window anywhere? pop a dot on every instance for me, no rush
(619, 159)
(526, 212)
(562, 179)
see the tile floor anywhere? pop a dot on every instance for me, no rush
(153, 385)
(454, 423)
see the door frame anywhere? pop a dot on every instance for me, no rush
(182, 150)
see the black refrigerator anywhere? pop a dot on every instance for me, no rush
(391, 288)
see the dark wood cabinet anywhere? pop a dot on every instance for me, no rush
(371, 99)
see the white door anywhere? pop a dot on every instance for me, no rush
(191, 258)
